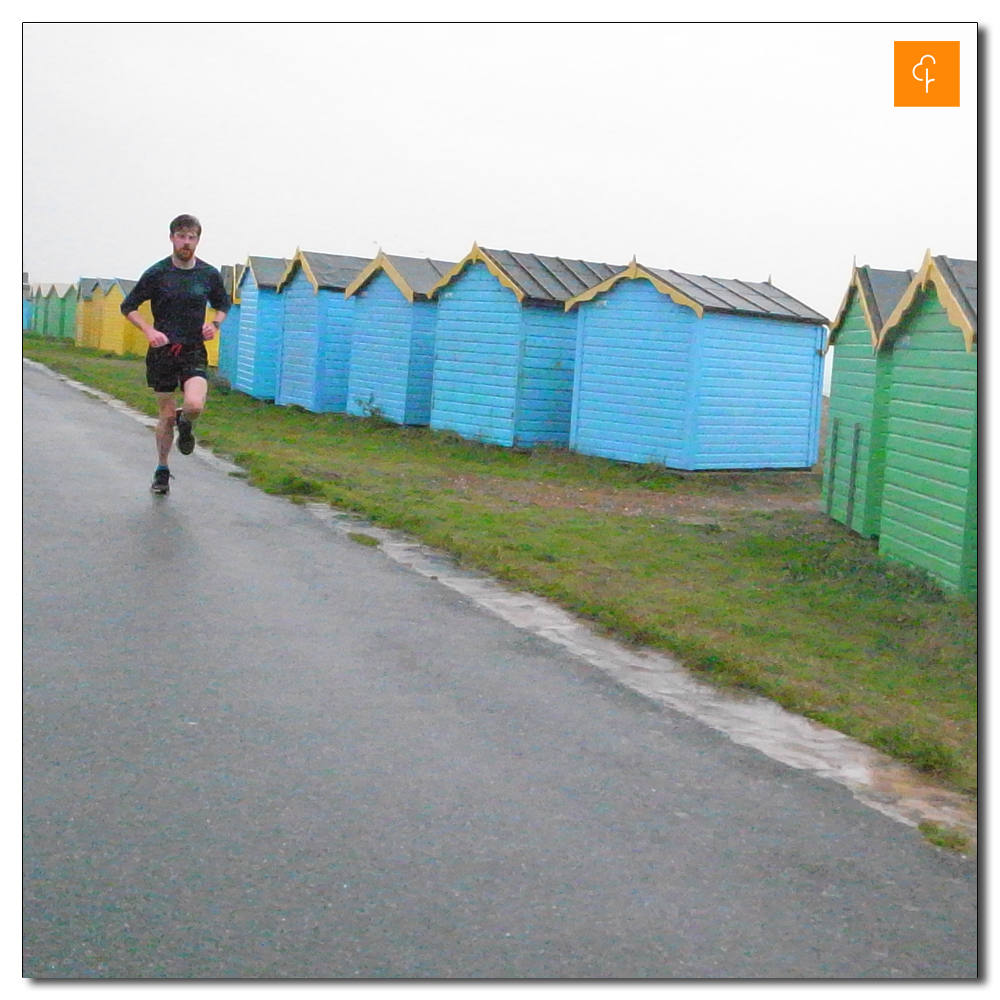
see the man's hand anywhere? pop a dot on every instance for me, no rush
(208, 331)
(157, 339)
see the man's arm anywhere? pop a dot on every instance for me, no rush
(130, 310)
(209, 330)
(155, 338)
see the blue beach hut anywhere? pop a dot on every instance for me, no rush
(229, 334)
(504, 346)
(259, 342)
(693, 372)
(316, 345)
(392, 346)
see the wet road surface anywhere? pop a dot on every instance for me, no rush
(255, 748)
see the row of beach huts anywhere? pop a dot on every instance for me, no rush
(628, 362)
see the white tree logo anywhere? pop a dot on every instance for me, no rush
(926, 79)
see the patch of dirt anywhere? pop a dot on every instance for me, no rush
(702, 504)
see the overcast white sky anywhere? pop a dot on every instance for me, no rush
(734, 150)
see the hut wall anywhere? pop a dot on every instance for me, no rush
(657, 384)
(476, 357)
(27, 311)
(92, 329)
(67, 317)
(545, 377)
(229, 339)
(392, 354)
(114, 326)
(758, 386)
(261, 318)
(631, 399)
(928, 502)
(298, 379)
(854, 459)
(50, 314)
(37, 311)
(212, 346)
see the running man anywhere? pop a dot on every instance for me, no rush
(178, 290)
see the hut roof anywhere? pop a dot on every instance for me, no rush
(704, 294)
(324, 270)
(59, 288)
(86, 287)
(266, 271)
(957, 285)
(415, 277)
(879, 291)
(531, 276)
(231, 275)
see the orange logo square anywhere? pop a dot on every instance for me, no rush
(925, 75)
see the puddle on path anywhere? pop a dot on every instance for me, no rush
(876, 780)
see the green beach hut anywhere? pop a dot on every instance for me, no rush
(855, 447)
(929, 504)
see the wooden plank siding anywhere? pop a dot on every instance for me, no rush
(229, 341)
(929, 499)
(392, 354)
(315, 346)
(261, 317)
(477, 353)
(852, 404)
(654, 383)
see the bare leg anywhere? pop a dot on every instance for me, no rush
(195, 395)
(167, 404)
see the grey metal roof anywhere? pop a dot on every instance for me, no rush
(266, 271)
(420, 273)
(105, 284)
(882, 289)
(86, 287)
(550, 279)
(332, 270)
(749, 298)
(962, 277)
(127, 284)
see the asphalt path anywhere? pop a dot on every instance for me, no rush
(257, 749)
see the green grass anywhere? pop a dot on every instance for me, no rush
(784, 603)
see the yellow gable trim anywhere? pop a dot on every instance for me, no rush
(929, 273)
(380, 263)
(477, 256)
(633, 272)
(298, 260)
(854, 288)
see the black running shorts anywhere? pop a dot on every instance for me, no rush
(166, 369)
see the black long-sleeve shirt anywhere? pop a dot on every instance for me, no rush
(178, 297)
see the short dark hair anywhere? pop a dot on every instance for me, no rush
(185, 222)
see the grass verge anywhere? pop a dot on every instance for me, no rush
(770, 597)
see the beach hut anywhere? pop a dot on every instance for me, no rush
(38, 294)
(855, 434)
(929, 515)
(62, 319)
(229, 335)
(117, 334)
(84, 310)
(259, 342)
(392, 345)
(694, 372)
(504, 346)
(315, 348)
(48, 325)
(26, 305)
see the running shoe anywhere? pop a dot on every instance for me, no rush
(185, 434)
(161, 481)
